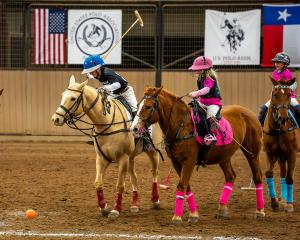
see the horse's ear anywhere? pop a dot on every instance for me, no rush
(72, 80)
(81, 85)
(289, 83)
(1, 91)
(274, 82)
(158, 91)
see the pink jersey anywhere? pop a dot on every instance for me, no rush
(285, 75)
(210, 83)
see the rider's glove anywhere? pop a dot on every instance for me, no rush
(89, 76)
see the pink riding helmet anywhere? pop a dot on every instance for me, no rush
(201, 63)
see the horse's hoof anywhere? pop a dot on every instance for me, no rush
(274, 204)
(176, 220)
(156, 205)
(134, 209)
(193, 220)
(104, 211)
(223, 212)
(282, 204)
(260, 214)
(113, 214)
(289, 208)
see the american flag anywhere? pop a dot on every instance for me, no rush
(49, 36)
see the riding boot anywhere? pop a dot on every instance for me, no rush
(210, 139)
(262, 114)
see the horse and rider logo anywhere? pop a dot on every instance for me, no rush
(234, 34)
(94, 35)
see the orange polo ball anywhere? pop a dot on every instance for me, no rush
(30, 214)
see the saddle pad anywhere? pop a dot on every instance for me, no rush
(224, 134)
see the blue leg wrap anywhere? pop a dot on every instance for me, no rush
(283, 189)
(271, 187)
(289, 196)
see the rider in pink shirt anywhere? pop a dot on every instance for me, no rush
(209, 92)
(281, 61)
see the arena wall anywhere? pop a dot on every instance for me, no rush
(31, 97)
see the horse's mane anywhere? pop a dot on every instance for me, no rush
(150, 91)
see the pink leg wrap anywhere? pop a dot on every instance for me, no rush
(155, 193)
(191, 202)
(100, 197)
(135, 199)
(260, 202)
(179, 203)
(226, 193)
(118, 204)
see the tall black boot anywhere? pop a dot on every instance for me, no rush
(262, 114)
(297, 110)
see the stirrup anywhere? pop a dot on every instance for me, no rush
(210, 139)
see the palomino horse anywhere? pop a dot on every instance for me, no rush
(172, 114)
(281, 143)
(113, 141)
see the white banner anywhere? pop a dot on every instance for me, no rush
(233, 38)
(94, 32)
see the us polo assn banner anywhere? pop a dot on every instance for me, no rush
(94, 32)
(281, 32)
(233, 38)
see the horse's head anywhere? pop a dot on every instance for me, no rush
(71, 103)
(148, 111)
(280, 100)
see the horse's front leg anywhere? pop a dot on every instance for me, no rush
(123, 168)
(101, 166)
(186, 173)
(133, 178)
(291, 162)
(154, 158)
(271, 161)
(283, 187)
(227, 189)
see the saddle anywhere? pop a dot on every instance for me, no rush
(202, 126)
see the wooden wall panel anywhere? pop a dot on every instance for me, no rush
(31, 97)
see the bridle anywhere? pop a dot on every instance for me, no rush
(276, 107)
(70, 112)
(181, 126)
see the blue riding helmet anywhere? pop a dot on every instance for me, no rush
(92, 63)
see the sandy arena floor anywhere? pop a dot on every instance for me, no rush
(56, 179)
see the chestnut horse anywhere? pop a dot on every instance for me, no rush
(113, 141)
(281, 142)
(173, 116)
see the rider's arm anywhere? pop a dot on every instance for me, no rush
(112, 87)
(200, 92)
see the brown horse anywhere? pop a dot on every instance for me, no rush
(113, 141)
(173, 116)
(281, 143)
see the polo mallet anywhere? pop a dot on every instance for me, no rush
(139, 19)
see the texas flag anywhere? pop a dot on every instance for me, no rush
(281, 33)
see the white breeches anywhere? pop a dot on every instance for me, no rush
(212, 110)
(130, 98)
(294, 102)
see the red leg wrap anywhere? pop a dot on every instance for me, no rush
(155, 193)
(100, 198)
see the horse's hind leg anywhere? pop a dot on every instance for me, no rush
(101, 166)
(224, 198)
(253, 160)
(271, 161)
(154, 158)
(123, 168)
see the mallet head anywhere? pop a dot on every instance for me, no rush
(139, 18)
